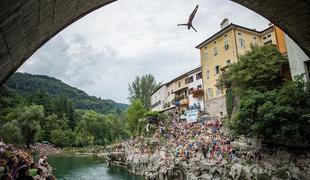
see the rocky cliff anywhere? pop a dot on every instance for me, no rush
(274, 165)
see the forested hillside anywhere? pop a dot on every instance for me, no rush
(27, 85)
(35, 108)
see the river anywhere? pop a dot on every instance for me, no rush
(85, 167)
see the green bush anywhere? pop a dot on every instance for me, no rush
(270, 107)
(11, 132)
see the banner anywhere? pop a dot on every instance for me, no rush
(192, 115)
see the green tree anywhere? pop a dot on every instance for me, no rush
(11, 132)
(71, 116)
(61, 138)
(281, 115)
(61, 104)
(134, 114)
(9, 98)
(41, 97)
(142, 88)
(53, 122)
(271, 108)
(258, 69)
(28, 118)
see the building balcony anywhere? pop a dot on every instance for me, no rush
(184, 102)
(180, 97)
(198, 93)
(181, 102)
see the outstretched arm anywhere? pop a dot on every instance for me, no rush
(182, 24)
(193, 28)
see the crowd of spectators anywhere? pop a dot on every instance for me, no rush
(45, 148)
(20, 166)
(178, 139)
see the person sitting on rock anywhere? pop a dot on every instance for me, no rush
(2, 147)
(40, 175)
(33, 169)
(23, 173)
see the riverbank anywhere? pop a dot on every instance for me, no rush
(84, 150)
(279, 165)
(202, 151)
(45, 149)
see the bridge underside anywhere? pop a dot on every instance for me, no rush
(25, 25)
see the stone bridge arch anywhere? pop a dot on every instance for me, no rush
(25, 25)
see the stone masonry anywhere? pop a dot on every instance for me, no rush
(216, 106)
(26, 25)
(292, 16)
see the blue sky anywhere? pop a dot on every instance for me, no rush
(104, 51)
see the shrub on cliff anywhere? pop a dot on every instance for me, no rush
(269, 107)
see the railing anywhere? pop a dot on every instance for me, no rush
(180, 97)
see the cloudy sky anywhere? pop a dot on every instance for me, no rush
(104, 51)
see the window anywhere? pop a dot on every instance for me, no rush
(208, 74)
(241, 43)
(179, 84)
(239, 33)
(190, 90)
(210, 92)
(190, 79)
(268, 42)
(214, 42)
(269, 35)
(199, 87)
(215, 51)
(198, 76)
(218, 91)
(254, 43)
(264, 38)
(307, 67)
(226, 45)
(228, 62)
(217, 70)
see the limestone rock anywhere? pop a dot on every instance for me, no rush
(235, 171)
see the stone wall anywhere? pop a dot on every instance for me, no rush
(216, 105)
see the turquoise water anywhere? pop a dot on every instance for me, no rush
(80, 167)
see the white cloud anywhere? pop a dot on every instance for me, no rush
(104, 51)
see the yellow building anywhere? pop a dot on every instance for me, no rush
(222, 49)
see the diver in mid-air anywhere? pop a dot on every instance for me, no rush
(190, 19)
